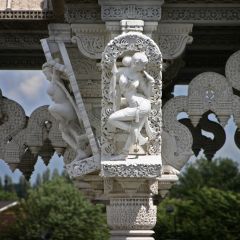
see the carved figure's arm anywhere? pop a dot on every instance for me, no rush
(147, 86)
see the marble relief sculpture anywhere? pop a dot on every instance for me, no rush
(130, 90)
(63, 110)
(131, 104)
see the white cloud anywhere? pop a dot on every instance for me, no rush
(31, 87)
(28, 88)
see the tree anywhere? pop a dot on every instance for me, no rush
(6, 196)
(1, 185)
(22, 187)
(205, 204)
(7, 191)
(57, 210)
(38, 180)
(8, 184)
(220, 174)
(46, 176)
(210, 214)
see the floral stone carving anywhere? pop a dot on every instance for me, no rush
(210, 91)
(177, 139)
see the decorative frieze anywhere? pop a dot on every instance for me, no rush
(25, 15)
(147, 11)
(142, 167)
(201, 14)
(82, 13)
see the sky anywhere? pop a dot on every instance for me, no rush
(28, 88)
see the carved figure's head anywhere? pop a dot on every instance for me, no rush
(127, 61)
(139, 61)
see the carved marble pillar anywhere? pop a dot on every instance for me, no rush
(131, 213)
(125, 167)
(130, 151)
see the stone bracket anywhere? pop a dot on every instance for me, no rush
(93, 163)
(91, 39)
(80, 167)
(172, 39)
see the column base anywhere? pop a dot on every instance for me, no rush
(131, 235)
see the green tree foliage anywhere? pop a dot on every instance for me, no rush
(57, 210)
(205, 204)
(8, 184)
(38, 181)
(46, 176)
(22, 187)
(6, 196)
(221, 174)
(7, 191)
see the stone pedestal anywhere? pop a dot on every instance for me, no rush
(131, 213)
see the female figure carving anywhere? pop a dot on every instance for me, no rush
(63, 111)
(131, 89)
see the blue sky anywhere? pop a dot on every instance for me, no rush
(28, 88)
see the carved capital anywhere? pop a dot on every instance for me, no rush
(172, 39)
(90, 39)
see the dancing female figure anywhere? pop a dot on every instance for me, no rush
(135, 87)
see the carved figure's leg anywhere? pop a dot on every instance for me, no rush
(120, 118)
(137, 132)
